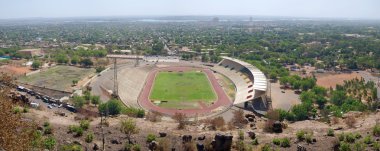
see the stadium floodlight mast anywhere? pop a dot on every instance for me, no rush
(115, 93)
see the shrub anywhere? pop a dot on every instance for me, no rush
(240, 145)
(16, 110)
(46, 124)
(358, 146)
(25, 110)
(266, 147)
(300, 135)
(151, 138)
(376, 130)
(330, 132)
(89, 137)
(285, 142)
(136, 147)
(48, 130)
(276, 141)
(368, 139)
(132, 147)
(84, 124)
(238, 118)
(181, 120)
(344, 146)
(309, 138)
(49, 143)
(71, 147)
(217, 123)
(376, 146)
(140, 113)
(341, 137)
(255, 142)
(154, 116)
(268, 127)
(241, 135)
(76, 129)
(350, 138)
(350, 121)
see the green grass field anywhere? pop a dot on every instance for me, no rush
(58, 77)
(182, 89)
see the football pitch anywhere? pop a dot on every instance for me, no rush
(182, 90)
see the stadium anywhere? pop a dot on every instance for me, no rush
(169, 85)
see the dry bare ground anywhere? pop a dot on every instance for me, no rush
(328, 80)
(14, 70)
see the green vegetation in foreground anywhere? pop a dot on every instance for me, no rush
(181, 88)
(58, 77)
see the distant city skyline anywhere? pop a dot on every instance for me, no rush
(349, 9)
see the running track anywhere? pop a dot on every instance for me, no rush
(222, 100)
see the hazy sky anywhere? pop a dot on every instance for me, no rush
(365, 9)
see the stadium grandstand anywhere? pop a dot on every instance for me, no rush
(250, 83)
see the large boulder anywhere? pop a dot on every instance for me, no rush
(251, 135)
(153, 145)
(200, 147)
(222, 142)
(162, 134)
(277, 127)
(186, 138)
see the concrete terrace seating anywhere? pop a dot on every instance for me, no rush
(131, 82)
(241, 84)
(240, 72)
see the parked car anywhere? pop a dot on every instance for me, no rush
(50, 107)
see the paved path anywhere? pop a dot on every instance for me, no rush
(223, 100)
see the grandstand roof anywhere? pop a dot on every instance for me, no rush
(260, 81)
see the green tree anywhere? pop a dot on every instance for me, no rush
(61, 58)
(129, 127)
(86, 62)
(75, 59)
(338, 97)
(2, 53)
(95, 100)
(204, 58)
(36, 64)
(112, 107)
(78, 101)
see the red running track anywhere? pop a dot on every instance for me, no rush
(222, 98)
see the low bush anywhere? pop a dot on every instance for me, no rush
(84, 124)
(350, 121)
(350, 138)
(285, 142)
(300, 135)
(89, 137)
(49, 143)
(368, 139)
(376, 146)
(71, 147)
(255, 142)
(48, 130)
(359, 146)
(376, 130)
(309, 138)
(276, 141)
(330, 132)
(151, 138)
(76, 129)
(344, 146)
